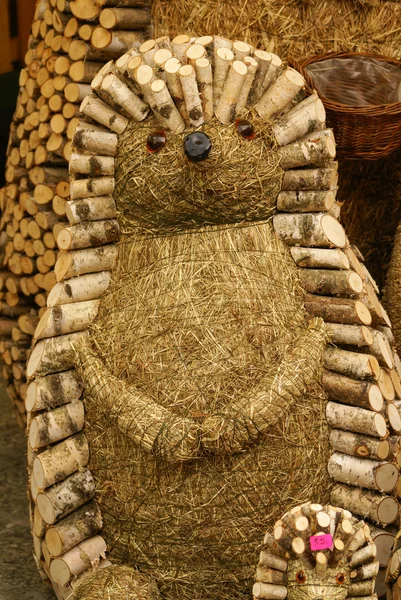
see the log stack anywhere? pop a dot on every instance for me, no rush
(69, 43)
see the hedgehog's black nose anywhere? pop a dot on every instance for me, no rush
(197, 146)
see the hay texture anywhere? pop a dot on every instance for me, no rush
(240, 180)
(392, 293)
(116, 583)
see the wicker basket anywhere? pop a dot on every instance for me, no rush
(368, 132)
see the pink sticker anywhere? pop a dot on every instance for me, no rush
(321, 542)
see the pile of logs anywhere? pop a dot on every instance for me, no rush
(70, 42)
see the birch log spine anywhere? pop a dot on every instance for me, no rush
(365, 473)
(310, 179)
(70, 531)
(359, 445)
(94, 166)
(351, 335)
(263, 61)
(382, 350)
(223, 58)
(273, 72)
(331, 282)
(355, 419)
(267, 575)
(91, 188)
(338, 310)
(124, 18)
(356, 393)
(79, 289)
(89, 260)
(124, 97)
(171, 69)
(280, 94)
(361, 588)
(69, 318)
(267, 559)
(46, 393)
(363, 572)
(242, 101)
(369, 505)
(88, 234)
(77, 560)
(53, 355)
(306, 152)
(305, 201)
(227, 102)
(90, 209)
(362, 556)
(305, 118)
(179, 47)
(65, 497)
(193, 103)
(352, 364)
(309, 229)
(55, 464)
(94, 108)
(166, 108)
(241, 50)
(268, 591)
(96, 141)
(56, 425)
(204, 77)
(386, 385)
(319, 258)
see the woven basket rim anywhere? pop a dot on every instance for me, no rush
(364, 110)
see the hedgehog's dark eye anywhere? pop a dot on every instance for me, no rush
(245, 129)
(156, 140)
(340, 578)
(300, 577)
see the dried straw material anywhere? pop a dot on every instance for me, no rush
(193, 324)
(239, 181)
(392, 293)
(116, 583)
(292, 28)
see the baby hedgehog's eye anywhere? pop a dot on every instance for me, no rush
(156, 140)
(245, 129)
(340, 578)
(300, 577)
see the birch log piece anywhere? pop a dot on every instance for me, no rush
(355, 419)
(56, 425)
(267, 575)
(331, 282)
(268, 591)
(166, 108)
(89, 260)
(115, 43)
(94, 108)
(394, 418)
(92, 188)
(192, 98)
(179, 47)
(77, 560)
(280, 94)
(79, 289)
(352, 364)
(363, 555)
(263, 61)
(359, 445)
(144, 76)
(65, 497)
(53, 355)
(226, 106)
(351, 335)
(208, 43)
(147, 50)
(204, 78)
(338, 310)
(124, 18)
(305, 118)
(95, 141)
(310, 179)
(91, 165)
(363, 572)
(69, 318)
(124, 97)
(369, 505)
(361, 588)
(223, 58)
(195, 52)
(55, 464)
(242, 101)
(364, 473)
(267, 559)
(171, 69)
(88, 234)
(381, 349)
(306, 201)
(349, 391)
(386, 385)
(307, 152)
(309, 229)
(46, 393)
(70, 531)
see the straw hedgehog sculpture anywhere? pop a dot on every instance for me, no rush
(201, 371)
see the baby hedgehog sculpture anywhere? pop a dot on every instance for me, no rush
(317, 552)
(204, 412)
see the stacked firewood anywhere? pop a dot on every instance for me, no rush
(69, 44)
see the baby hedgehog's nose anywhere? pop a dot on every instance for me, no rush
(197, 146)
